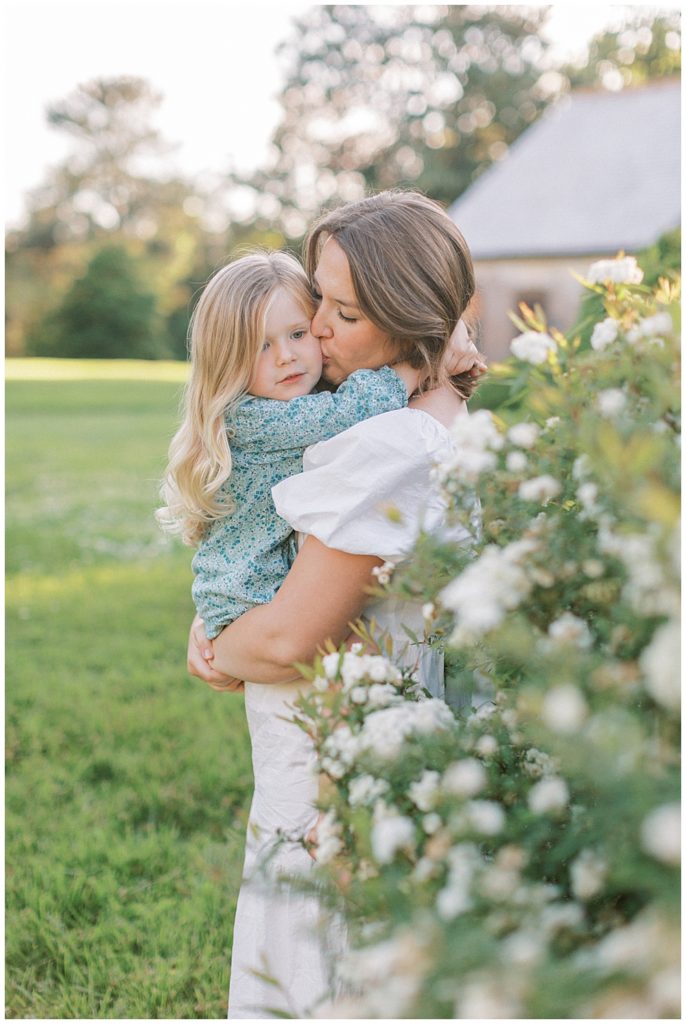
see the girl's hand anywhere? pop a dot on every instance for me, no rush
(199, 661)
(410, 377)
(462, 355)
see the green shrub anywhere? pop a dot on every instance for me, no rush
(519, 858)
(106, 314)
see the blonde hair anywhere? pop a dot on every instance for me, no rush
(412, 273)
(226, 334)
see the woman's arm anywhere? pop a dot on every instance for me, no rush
(324, 591)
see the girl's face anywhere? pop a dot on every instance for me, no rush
(349, 341)
(290, 363)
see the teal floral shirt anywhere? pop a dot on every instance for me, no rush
(245, 556)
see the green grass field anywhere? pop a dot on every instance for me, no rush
(127, 783)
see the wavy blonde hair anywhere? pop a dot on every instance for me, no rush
(226, 334)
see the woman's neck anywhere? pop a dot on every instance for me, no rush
(441, 403)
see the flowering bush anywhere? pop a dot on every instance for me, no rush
(519, 857)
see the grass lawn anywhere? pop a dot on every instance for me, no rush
(127, 782)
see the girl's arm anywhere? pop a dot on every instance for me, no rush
(324, 591)
(267, 425)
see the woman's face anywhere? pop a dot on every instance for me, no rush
(349, 341)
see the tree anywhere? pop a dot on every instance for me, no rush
(425, 97)
(108, 187)
(106, 314)
(645, 48)
(377, 97)
(104, 183)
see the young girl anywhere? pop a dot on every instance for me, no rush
(249, 413)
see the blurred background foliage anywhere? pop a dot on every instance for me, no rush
(374, 97)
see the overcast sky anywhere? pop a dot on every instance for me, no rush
(213, 62)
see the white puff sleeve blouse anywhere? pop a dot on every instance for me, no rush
(370, 490)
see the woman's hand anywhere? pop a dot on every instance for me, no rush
(462, 355)
(312, 837)
(199, 661)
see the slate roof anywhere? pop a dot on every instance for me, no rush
(599, 172)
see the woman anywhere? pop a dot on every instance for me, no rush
(393, 277)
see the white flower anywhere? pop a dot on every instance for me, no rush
(431, 823)
(356, 667)
(478, 431)
(632, 947)
(564, 708)
(558, 916)
(550, 795)
(610, 402)
(660, 662)
(358, 694)
(465, 778)
(498, 882)
(538, 763)
(523, 948)
(552, 422)
(593, 568)
(365, 789)
(569, 629)
(385, 732)
(476, 438)
(451, 902)
(386, 975)
(487, 998)
(384, 572)
(516, 462)
(391, 832)
(540, 488)
(424, 791)
(604, 333)
(620, 271)
(523, 435)
(489, 587)
(650, 327)
(588, 873)
(428, 611)
(320, 683)
(485, 816)
(380, 696)
(532, 347)
(330, 664)
(341, 745)
(425, 867)
(486, 746)
(661, 833)
(329, 842)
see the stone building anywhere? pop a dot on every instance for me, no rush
(598, 173)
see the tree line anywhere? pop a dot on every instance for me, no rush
(114, 250)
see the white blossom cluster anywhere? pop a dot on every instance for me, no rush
(652, 329)
(533, 347)
(604, 334)
(624, 270)
(493, 824)
(384, 733)
(648, 589)
(476, 440)
(495, 583)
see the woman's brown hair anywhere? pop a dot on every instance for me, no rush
(412, 273)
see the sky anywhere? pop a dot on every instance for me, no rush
(213, 61)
